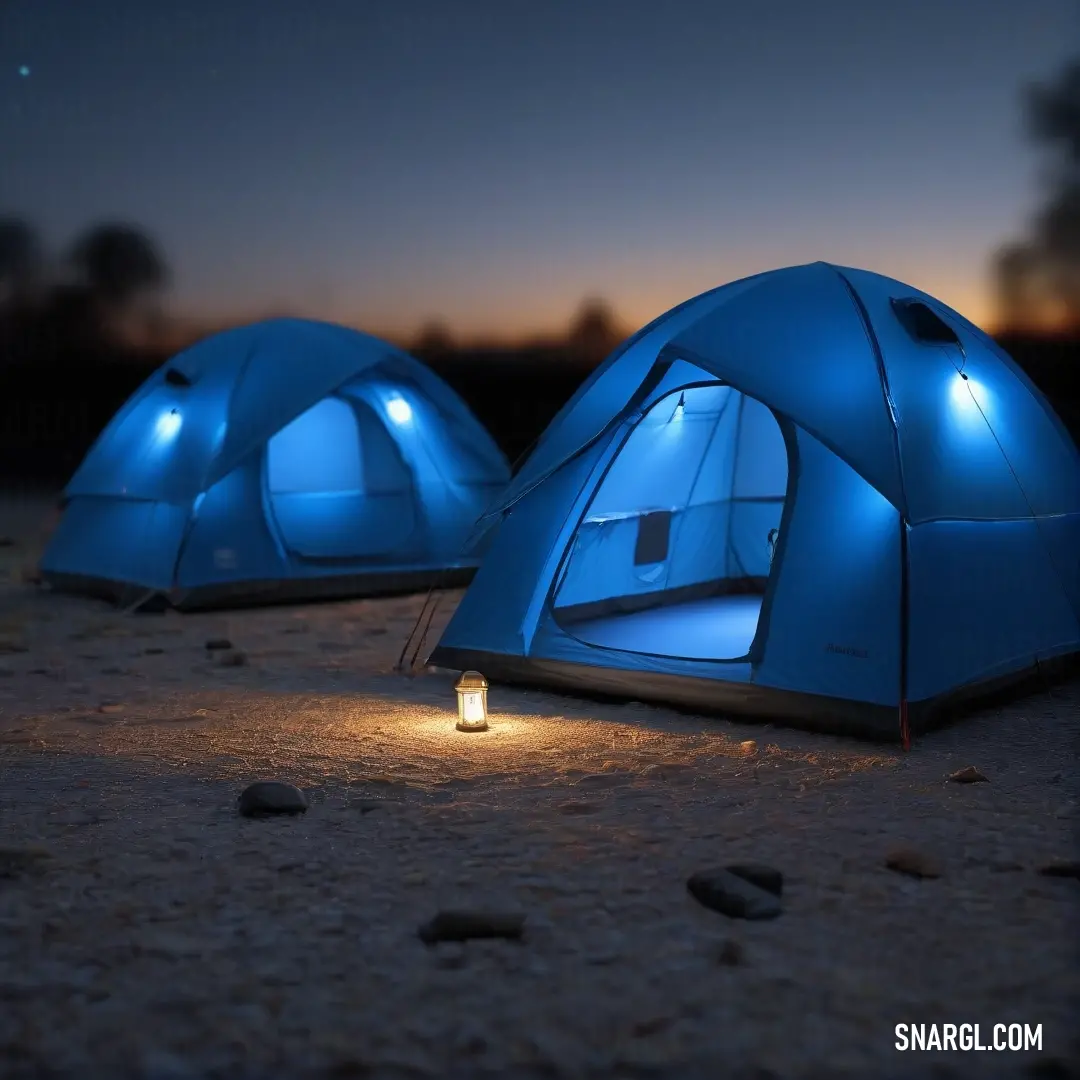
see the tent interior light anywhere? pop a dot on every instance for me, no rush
(168, 424)
(397, 408)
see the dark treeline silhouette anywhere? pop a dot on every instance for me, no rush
(77, 334)
(516, 390)
(80, 331)
(1038, 275)
(77, 339)
(96, 302)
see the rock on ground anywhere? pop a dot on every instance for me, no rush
(149, 930)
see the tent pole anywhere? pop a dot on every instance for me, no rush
(894, 419)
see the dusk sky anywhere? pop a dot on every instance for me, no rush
(491, 162)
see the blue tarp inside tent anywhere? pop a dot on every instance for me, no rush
(816, 493)
(285, 459)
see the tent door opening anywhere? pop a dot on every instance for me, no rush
(674, 552)
(338, 486)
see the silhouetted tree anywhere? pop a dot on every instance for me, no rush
(118, 263)
(1017, 269)
(114, 301)
(21, 260)
(22, 264)
(434, 339)
(1054, 117)
(594, 331)
(1038, 278)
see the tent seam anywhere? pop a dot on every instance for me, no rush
(883, 378)
(905, 550)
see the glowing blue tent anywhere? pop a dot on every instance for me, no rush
(815, 494)
(280, 460)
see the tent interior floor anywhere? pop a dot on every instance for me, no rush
(716, 628)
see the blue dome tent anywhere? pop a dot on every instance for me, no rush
(281, 460)
(815, 494)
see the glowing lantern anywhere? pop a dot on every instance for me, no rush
(472, 690)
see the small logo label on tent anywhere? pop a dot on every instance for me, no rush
(225, 558)
(847, 650)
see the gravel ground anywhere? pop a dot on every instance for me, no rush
(147, 930)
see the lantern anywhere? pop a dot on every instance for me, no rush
(472, 690)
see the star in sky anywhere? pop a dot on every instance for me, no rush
(24, 71)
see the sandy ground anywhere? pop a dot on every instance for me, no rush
(147, 930)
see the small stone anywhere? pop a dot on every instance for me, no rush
(470, 1042)
(335, 646)
(163, 1065)
(347, 1065)
(110, 707)
(1061, 868)
(170, 946)
(601, 780)
(723, 891)
(16, 861)
(233, 658)
(218, 644)
(574, 809)
(748, 747)
(271, 797)
(415, 879)
(730, 954)
(913, 863)
(970, 775)
(677, 772)
(463, 925)
(1050, 1068)
(652, 1026)
(603, 957)
(1003, 866)
(764, 877)
(451, 955)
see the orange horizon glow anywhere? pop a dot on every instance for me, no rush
(543, 321)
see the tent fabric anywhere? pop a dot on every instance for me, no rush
(816, 494)
(283, 459)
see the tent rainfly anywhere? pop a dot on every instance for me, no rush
(816, 494)
(282, 460)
